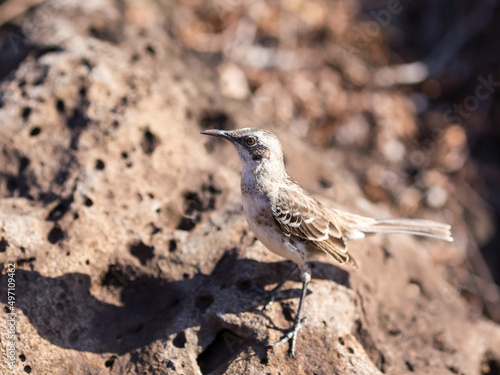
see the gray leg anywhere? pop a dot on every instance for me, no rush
(305, 274)
(274, 292)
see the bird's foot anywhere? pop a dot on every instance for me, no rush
(291, 334)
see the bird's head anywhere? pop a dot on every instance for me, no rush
(255, 146)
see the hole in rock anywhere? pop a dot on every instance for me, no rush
(149, 142)
(99, 165)
(3, 245)
(60, 106)
(180, 340)
(26, 113)
(35, 131)
(172, 246)
(110, 362)
(55, 235)
(215, 119)
(142, 251)
(88, 202)
(225, 346)
(490, 365)
(60, 210)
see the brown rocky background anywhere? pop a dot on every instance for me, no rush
(125, 225)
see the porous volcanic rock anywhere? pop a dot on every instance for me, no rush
(126, 228)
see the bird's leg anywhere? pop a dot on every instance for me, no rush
(274, 292)
(297, 325)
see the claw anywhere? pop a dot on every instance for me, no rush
(291, 335)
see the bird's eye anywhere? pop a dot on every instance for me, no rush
(250, 141)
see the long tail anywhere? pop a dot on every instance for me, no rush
(416, 227)
(355, 226)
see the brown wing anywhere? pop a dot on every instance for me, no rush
(302, 217)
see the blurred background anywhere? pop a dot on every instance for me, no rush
(333, 72)
(413, 86)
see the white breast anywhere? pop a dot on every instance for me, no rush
(260, 220)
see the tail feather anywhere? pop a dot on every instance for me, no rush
(416, 227)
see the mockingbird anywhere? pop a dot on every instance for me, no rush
(293, 224)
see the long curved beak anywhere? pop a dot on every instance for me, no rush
(218, 133)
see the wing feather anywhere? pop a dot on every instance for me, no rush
(302, 217)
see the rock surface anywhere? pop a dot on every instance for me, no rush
(132, 254)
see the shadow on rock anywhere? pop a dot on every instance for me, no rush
(64, 312)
